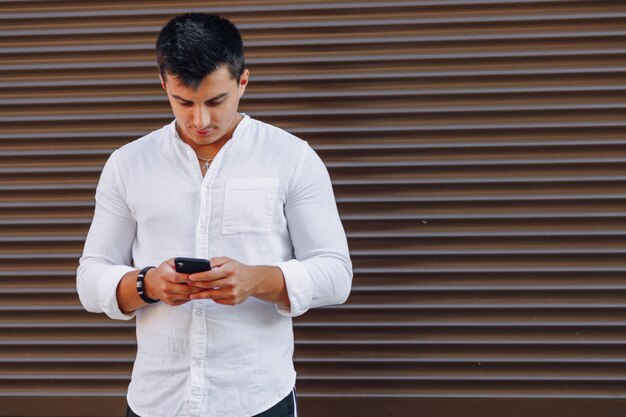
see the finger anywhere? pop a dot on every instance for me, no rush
(178, 303)
(218, 261)
(181, 278)
(184, 295)
(182, 289)
(172, 275)
(210, 294)
(211, 275)
(219, 283)
(177, 277)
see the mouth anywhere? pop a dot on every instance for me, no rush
(204, 132)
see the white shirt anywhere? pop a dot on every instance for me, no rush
(265, 200)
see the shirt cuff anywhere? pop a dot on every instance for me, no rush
(299, 291)
(107, 292)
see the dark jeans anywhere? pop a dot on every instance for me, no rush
(285, 408)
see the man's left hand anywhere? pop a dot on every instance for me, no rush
(228, 282)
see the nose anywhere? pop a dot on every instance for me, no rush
(201, 118)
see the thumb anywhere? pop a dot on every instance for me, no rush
(218, 261)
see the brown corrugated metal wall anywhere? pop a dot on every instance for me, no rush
(478, 154)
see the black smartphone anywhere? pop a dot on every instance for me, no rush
(191, 265)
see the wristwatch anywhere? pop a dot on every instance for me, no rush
(140, 291)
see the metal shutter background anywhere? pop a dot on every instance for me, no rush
(478, 154)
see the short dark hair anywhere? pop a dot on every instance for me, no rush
(193, 45)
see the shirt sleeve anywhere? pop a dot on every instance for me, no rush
(107, 254)
(321, 273)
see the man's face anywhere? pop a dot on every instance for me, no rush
(207, 115)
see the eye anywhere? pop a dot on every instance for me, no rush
(185, 104)
(216, 102)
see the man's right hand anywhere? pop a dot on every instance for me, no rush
(165, 284)
(162, 283)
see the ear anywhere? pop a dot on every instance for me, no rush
(243, 82)
(162, 82)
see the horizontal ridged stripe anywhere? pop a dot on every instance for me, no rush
(353, 22)
(334, 112)
(321, 41)
(324, 24)
(390, 75)
(264, 97)
(324, 41)
(590, 54)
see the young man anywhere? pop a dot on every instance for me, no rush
(214, 184)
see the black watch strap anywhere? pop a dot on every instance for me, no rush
(140, 291)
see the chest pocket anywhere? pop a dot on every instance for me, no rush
(249, 205)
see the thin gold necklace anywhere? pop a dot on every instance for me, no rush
(207, 162)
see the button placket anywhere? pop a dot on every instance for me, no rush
(203, 223)
(204, 217)
(199, 341)
(198, 347)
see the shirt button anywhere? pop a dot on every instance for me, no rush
(198, 313)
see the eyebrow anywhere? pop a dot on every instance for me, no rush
(211, 99)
